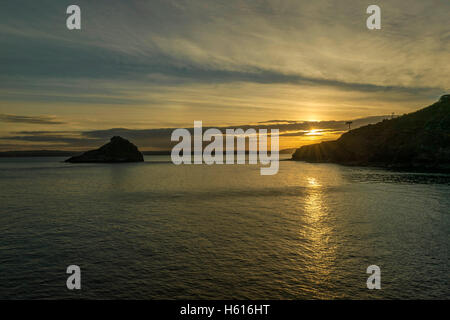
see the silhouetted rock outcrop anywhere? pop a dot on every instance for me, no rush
(117, 150)
(418, 140)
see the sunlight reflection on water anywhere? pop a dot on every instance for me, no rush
(155, 230)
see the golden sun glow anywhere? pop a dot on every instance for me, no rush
(314, 132)
(312, 182)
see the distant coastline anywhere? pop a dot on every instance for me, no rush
(62, 153)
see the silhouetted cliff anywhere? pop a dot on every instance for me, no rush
(417, 140)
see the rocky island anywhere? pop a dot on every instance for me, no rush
(116, 151)
(419, 140)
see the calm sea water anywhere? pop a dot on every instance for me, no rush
(155, 230)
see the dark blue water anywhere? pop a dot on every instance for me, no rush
(155, 230)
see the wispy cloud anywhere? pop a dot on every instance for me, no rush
(296, 42)
(29, 119)
(224, 61)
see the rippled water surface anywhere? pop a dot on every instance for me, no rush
(155, 230)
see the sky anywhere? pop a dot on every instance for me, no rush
(140, 68)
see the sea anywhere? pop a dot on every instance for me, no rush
(155, 230)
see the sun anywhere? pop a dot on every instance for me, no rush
(313, 132)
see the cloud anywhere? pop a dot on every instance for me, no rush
(319, 132)
(47, 138)
(29, 119)
(159, 139)
(264, 42)
(223, 61)
(278, 121)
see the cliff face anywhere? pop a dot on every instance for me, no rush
(117, 150)
(417, 140)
